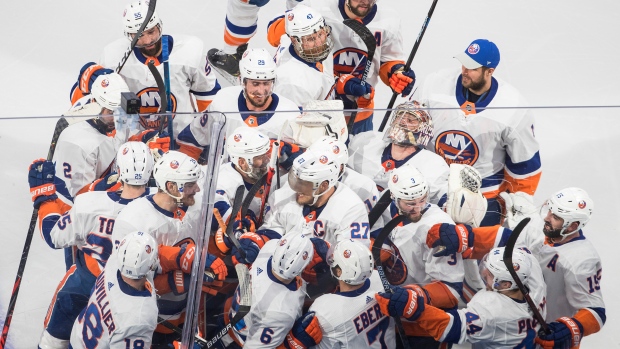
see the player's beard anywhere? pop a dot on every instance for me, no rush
(358, 11)
(474, 85)
(258, 101)
(304, 199)
(550, 232)
(188, 200)
(152, 52)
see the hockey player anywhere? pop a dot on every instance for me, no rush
(499, 143)
(249, 151)
(87, 225)
(350, 53)
(258, 106)
(317, 205)
(407, 258)
(376, 156)
(497, 317)
(172, 219)
(278, 294)
(304, 65)
(122, 309)
(351, 318)
(190, 74)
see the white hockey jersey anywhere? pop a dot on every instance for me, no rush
(275, 306)
(117, 315)
(231, 101)
(370, 155)
(493, 320)
(228, 181)
(299, 80)
(353, 319)
(499, 143)
(350, 52)
(192, 84)
(83, 154)
(363, 186)
(88, 225)
(422, 267)
(344, 216)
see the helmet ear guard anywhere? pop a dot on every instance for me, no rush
(137, 255)
(247, 143)
(494, 263)
(291, 256)
(354, 260)
(178, 168)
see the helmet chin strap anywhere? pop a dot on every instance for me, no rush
(176, 198)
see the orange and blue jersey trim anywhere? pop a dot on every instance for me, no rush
(236, 35)
(275, 29)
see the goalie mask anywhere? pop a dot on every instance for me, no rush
(493, 270)
(319, 119)
(409, 126)
(352, 260)
(570, 205)
(253, 147)
(310, 37)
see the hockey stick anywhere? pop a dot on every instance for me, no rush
(199, 340)
(167, 85)
(408, 64)
(371, 44)
(245, 302)
(163, 101)
(376, 255)
(274, 168)
(509, 249)
(61, 124)
(377, 210)
(247, 201)
(235, 211)
(136, 37)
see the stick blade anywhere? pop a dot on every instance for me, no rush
(364, 33)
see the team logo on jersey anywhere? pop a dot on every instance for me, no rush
(174, 164)
(394, 178)
(237, 137)
(350, 60)
(336, 149)
(323, 159)
(582, 204)
(125, 150)
(290, 16)
(473, 49)
(388, 165)
(150, 103)
(516, 266)
(148, 249)
(251, 121)
(305, 255)
(282, 242)
(346, 253)
(457, 147)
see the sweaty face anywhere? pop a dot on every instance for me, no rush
(149, 42)
(412, 208)
(189, 192)
(360, 8)
(474, 79)
(258, 92)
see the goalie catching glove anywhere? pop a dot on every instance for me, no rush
(465, 203)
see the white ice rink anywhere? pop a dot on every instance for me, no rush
(557, 53)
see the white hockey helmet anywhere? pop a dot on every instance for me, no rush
(354, 260)
(407, 183)
(291, 256)
(107, 89)
(257, 64)
(133, 17)
(336, 148)
(494, 262)
(572, 205)
(319, 118)
(134, 163)
(409, 125)
(178, 168)
(247, 143)
(315, 168)
(305, 25)
(137, 255)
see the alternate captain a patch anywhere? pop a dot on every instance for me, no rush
(457, 147)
